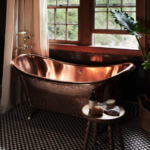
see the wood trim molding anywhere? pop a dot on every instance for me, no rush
(85, 22)
(110, 31)
(94, 49)
(141, 11)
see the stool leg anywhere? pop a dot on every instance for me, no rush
(110, 137)
(120, 136)
(95, 133)
(87, 135)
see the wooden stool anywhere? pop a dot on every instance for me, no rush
(103, 119)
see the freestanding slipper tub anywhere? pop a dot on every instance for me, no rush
(63, 87)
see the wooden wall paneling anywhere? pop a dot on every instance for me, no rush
(148, 24)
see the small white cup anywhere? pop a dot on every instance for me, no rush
(110, 103)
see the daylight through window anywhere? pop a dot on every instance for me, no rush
(90, 23)
(103, 20)
(63, 19)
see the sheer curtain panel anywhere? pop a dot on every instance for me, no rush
(29, 16)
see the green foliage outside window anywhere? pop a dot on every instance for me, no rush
(116, 40)
(51, 2)
(125, 2)
(71, 24)
(101, 18)
(62, 2)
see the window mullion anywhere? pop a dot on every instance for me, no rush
(55, 23)
(66, 23)
(121, 9)
(121, 4)
(67, 2)
(107, 12)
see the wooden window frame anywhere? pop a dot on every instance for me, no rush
(86, 30)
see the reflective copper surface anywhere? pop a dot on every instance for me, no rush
(62, 87)
(64, 72)
(92, 58)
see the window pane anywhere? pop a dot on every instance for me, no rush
(100, 20)
(114, 2)
(73, 2)
(60, 32)
(129, 2)
(129, 9)
(111, 22)
(114, 40)
(73, 16)
(100, 9)
(51, 31)
(50, 15)
(60, 16)
(51, 2)
(114, 8)
(101, 2)
(132, 14)
(62, 2)
(73, 32)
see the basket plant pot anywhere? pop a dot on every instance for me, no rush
(144, 112)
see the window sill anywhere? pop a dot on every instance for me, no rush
(95, 49)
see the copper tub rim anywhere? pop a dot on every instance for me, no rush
(123, 72)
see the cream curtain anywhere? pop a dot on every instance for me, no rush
(29, 16)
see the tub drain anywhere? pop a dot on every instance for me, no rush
(80, 72)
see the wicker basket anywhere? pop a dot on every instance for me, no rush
(144, 112)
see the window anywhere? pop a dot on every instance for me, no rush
(90, 27)
(104, 21)
(63, 20)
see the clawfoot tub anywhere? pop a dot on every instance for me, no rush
(63, 87)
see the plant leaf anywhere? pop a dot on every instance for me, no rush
(146, 64)
(133, 27)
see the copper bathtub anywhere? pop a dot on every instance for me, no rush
(63, 87)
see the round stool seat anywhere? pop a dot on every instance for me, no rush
(104, 118)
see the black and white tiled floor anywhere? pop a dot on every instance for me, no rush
(52, 131)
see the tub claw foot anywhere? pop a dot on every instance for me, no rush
(29, 117)
(30, 110)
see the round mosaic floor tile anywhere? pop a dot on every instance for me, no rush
(53, 131)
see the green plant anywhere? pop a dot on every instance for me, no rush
(146, 63)
(134, 28)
